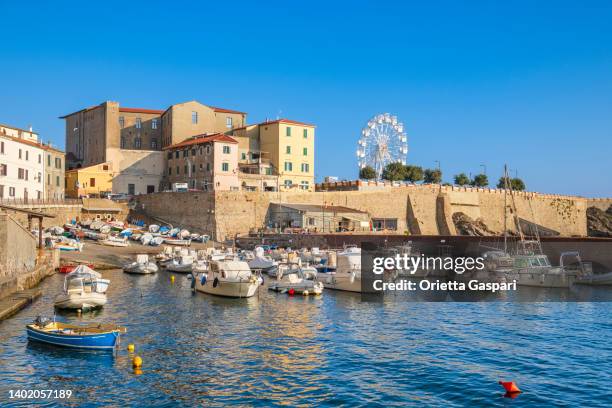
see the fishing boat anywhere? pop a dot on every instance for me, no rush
(293, 279)
(157, 241)
(229, 278)
(181, 264)
(115, 241)
(98, 337)
(153, 228)
(141, 265)
(68, 245)
(81, 291)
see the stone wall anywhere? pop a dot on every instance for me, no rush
(17, 247)
(416, 208)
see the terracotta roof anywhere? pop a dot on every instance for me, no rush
(223, 110)
(16, 128)
(196, 140)
(141, 110)
(26, 142)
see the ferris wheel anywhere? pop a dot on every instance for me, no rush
(382, 141)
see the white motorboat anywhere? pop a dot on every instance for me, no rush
(261, 262)
(146, 238)
(157, 241)
(141, 266)
(292, 279)
(115, 241)
(535, 270)
(229, 278)
(179, 242)
(153, 228)
(80, 292)
(181, 264)
(95, 278)
(347, 275)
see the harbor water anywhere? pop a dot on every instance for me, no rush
(275, 349)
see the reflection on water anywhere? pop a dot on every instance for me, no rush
(334, 350)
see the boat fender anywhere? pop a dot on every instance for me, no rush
(215, 282)
(352, 277)
(262, 280)
(193, 283)
(203, 280)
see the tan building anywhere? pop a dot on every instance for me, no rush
(206, 162)
(286, 146)
(185, 120)
(54, 173)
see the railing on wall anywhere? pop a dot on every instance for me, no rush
(41, 201)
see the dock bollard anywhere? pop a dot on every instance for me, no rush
(137, 362)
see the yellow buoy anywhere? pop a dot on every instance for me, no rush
(131, 348)
(137, 362)
(172, 278)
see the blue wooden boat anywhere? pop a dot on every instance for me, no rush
(97, 337)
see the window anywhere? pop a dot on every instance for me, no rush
(185, 153)
(207, 166)
(48, 179)
(20, 174)
(154, 124)
(178, 170)
(39, 178)
(193, 152)
(58, 163)
(243, 156)
(105, 167)
(303, 185)
(186, 169)
(192, 168)
(305, 151)
(1, 191)
(154, 144)
(305, 167)
(288, 150)
(92, 182)
(169, 155)
(194, 117)
(229, 122)
(2, 147)
(268, 171)
(121, 122)
(40, 158)
(288, 166)
(384, 224)
(288, 131)
(137, 143)
(288, 183)
(20, 152)
(150, 189)
(225, 166)
(176, 154)
(57, 180)
(3, 169)
(122, 142)
(169, 171)
(27, 155)
(138, 123)
(226, 149)
(305, 133)
(131, 189)
(207, 149)
(49, 160)
(11, 191)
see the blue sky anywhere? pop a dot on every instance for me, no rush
(523, 83)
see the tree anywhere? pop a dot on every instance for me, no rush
(413, 173)
(394, 172)
(461, 179)
(515, 183)
(433, 176)
(367, 173)
(480, 180)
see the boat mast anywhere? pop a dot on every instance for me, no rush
(505, 209)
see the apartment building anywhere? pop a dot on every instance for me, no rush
(205, 162)
(54, 173)
(282, 147)
(21, 164)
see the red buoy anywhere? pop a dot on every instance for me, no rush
(291, 292)
(510, 386)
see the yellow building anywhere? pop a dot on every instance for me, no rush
(286, 145)
(89, 181)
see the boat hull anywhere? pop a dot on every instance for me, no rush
(85, 301)
(227, 289)
(102, 341)
(340, 282)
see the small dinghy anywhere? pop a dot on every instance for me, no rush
(156, 241)
(145, 239)
(70, 267)
(153, 228)
(179, 242)
(181, 264)
(98, 337)
(141, 266)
